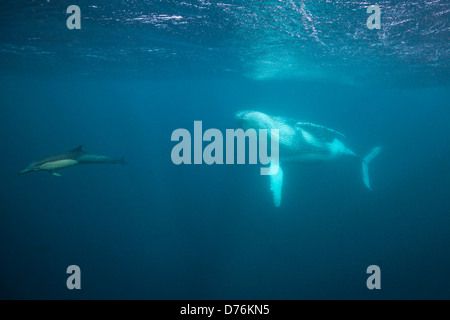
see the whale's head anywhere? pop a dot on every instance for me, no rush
(252, 119)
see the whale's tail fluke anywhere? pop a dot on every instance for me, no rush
(365, 165)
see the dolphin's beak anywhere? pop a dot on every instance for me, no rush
(25, 171)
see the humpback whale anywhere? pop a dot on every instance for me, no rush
(301, 142)
(74, 157)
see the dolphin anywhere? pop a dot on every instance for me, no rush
(74, 157)
(301, 142)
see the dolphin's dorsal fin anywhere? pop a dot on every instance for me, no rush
(78, 149)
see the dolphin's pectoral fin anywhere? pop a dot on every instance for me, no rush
(276, 182)
(56, 173)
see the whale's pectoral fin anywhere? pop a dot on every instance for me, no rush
(56, 173)
(276, 181)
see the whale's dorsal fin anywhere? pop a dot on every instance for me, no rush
(318, 130)
(78, 149)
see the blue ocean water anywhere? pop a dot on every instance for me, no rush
(138, 70)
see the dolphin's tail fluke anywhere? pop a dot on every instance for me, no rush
(276, 182)
(365, 165)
